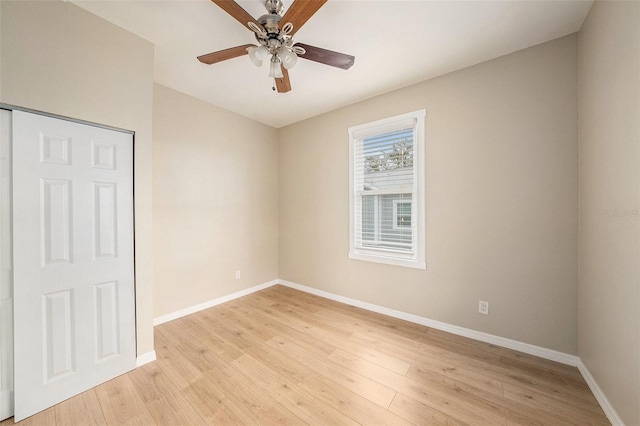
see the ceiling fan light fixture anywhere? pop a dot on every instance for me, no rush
(288, 58)
(275, 71)
(257, 54)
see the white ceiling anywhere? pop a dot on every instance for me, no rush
(396, 43)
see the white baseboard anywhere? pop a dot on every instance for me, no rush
(608, 409)
(145, 358)
(527, 348)
(193, 309)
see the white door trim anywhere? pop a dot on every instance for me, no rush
(9, 107)
(6, 287)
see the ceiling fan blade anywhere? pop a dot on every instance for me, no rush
(327, 57)
(223, 55)
(300, 12)
(283, 84)
(236, 11)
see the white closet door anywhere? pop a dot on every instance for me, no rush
(74, 318)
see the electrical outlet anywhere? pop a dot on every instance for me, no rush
(483, 307)
(237, 275)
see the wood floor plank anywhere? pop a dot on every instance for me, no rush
(358, 408)
(437, 388)
(373, 330)
(298, 319)
(208, 401)
(289, 394)
(122, 404)
(199, 357)
(172, 361)
(550, 370)
(561, 409)
(375, 356)
(242, 396)
(46, 417)
(490, 402)
(440, 340)
(448, 402)
(494, 367)
(326, 335)
(461, 372)
(281, 327)
(420, 414)
(84, 409)
(526, 361)
(571, 390)
(162, 398)
(373, 391)
(402, 327)
(408, 355)
(283, 357)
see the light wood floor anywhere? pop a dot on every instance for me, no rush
(280, 356)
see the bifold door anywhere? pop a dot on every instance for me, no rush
(74, 318)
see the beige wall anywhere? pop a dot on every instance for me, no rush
(215, 209)
(60, 59)
(501, 199)
(609, 290)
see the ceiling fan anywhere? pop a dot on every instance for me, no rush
(276, 40)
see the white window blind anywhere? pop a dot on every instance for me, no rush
(386, 194)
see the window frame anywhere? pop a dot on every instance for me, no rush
(396, 216)
(384, 255)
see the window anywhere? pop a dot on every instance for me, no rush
(386, 172)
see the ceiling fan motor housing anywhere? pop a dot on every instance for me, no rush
(271, 23)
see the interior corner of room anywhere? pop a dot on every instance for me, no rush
(532, 188)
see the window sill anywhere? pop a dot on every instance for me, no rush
(407, 263)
